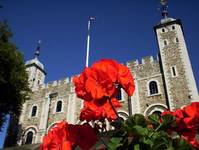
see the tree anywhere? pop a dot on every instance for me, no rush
(13, 76)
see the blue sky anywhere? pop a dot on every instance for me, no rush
(123, 30)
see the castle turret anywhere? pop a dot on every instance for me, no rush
(177, 71)
(35, 70)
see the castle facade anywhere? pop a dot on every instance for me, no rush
(165, 82)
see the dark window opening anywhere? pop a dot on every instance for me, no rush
(165, 43)
(59, 106)
(119, 94)
(121, 119)
(173, 27)
(33, 79)
(38, 81)
(153, 87)
(53, 95)
(163, 30)
(174, 71)
(29, 137)
(177, 40)
(34, 111)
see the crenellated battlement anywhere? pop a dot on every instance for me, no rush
(147, 60)
(149, 66)
(144, 61)
(132, 63)
(55, 83)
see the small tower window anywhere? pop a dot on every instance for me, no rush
(173, 27)
(29, 137)
(173, 71)
(153, 87)
(34, 111)
(119, 95)
(177, 40)
(59, 106)
(38, 81)
(163, 30)
(165, 42)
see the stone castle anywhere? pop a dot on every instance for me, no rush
(166, 82)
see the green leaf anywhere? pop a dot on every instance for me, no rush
(161, 140)
(137, 119)
(114, 143)
(138, 130)
(167, 121)
(147, 141)
(180, 144)
(170, 148)
(154, 119)
(125, 128)
(137, 147)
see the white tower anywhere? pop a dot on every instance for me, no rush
(176, 67)
(35, 70)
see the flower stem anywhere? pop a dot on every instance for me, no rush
(156, 130)
(102, 140)
(114, 108)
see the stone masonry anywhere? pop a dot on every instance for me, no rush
(165, 82)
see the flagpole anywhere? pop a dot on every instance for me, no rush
(88, 41)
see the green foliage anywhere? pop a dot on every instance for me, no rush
(115, 142)
(141, 133)
(13, 77)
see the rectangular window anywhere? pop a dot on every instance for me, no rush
(119, 95)
(177, 40)
(165, 42)
(173, 71)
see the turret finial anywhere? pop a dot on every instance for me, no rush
(164, 8)
(37, 51)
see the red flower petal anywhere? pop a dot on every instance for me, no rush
(126, 80)
(99, 110)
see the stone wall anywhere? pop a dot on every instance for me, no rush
(172, 56)
(148, 70)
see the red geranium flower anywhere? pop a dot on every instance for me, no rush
(99, 110)
(64, 136)
(187, 120)
(79, 83)
(118, 74)
(101, 79)
(191, 115)
(56, 139)
(100, 83)
(86, 137)
(107, 66)
(125, 79)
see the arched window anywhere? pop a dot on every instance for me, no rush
(153, 87)
(34, 111)
(29, 137)
(59, 106)
(173, 27)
